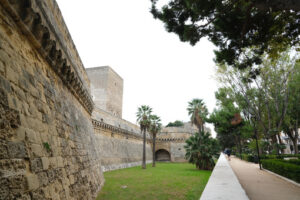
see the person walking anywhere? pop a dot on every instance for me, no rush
(228, 153)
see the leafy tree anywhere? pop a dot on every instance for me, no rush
(177, 123)
(143, 118)
(266, 97)
(200, 149)
(265, 26)
(291, 123)
(155, 127)
(198, 113)
(229, 126)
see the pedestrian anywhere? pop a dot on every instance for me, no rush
(228, 153)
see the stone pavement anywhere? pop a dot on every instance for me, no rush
(261, 185)
(223, 184)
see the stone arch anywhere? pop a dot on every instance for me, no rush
(162, 155)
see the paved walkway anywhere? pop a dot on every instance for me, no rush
(223, 184)
(261, 185)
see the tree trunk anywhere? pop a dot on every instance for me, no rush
(144, 150)
(296, 137)
(274, 143)
(153, 161)
(296, 151)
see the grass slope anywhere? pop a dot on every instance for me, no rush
(165, 181)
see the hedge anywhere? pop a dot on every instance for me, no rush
(283, 168)
(281, 156)
(294, 161)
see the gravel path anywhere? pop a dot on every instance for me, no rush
(261, 185)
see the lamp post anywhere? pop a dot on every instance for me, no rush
(255, 136)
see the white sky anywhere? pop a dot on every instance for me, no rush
(158, 70)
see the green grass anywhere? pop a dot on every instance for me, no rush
(165, 181)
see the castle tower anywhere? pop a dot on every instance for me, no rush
(106, 89)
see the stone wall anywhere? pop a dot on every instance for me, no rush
(48, 149)
(120, 142)
(172, 139)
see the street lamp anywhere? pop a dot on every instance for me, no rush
(255, 136)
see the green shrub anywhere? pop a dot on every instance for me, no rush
(281, 156)
(177, 123)
(283, 168)
(294, 161)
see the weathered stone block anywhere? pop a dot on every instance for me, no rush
(36, 150)
(32, 136)
(2, 68)
(43, 178)
(21, 134)
(32, 181)
(17, 150)
(5, 83)
(45, 163)
(9, 167)
(12, 75)
(60, 162)
(17, 182)
(3, 149)
(51, 175)
(36, 165)
(53, 162)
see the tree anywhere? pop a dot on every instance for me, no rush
(198, 113)
(265, 26)
(143, 118)
(228, 123)
(291, 123)
(155, 127)
(265, 95)
(177, 123)
(200, 149)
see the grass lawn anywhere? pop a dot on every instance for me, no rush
(165, 181)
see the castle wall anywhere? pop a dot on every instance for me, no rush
(48, 149)
(120, 142)
(173, 139)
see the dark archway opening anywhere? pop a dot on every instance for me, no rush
(162, 155)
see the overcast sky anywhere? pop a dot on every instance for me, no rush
(158, 70)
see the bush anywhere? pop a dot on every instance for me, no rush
(281, 156)
(177, 123)
(283, 168)
(294, 161)
(200, 149)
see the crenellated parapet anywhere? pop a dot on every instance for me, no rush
(34, 22)
(115, 130)
(179, 140)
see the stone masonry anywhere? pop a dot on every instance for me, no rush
(48, 148)
(55, 142)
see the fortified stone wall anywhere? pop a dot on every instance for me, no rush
(120, 142)
(172, 140)
(48, 149)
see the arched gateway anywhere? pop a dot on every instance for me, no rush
(162, 155)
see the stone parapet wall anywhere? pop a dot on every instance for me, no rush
(119, 147)
(48, 149)
(117, 122)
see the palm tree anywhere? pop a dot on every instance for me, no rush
(200, 149)
(155, 127)
(143, 118)
(198, 112)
